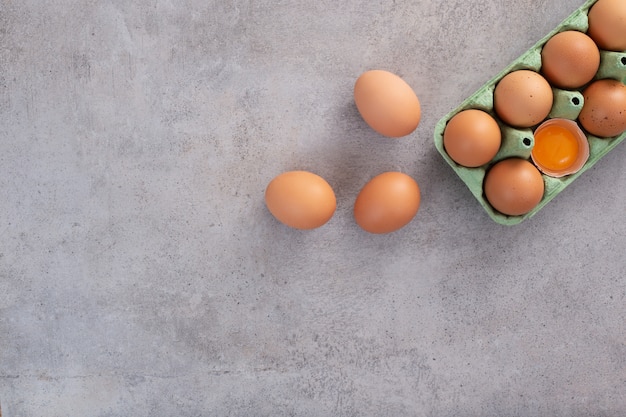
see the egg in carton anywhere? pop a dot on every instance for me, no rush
(519, 142)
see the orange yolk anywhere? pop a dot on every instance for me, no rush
(555, 148)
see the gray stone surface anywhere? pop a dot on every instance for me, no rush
(141, 274)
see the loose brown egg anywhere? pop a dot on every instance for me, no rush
(300, 199)
(472, 138)
(387, 103)
(387, 203)
(514, 186)
(604, 110)
(607, 24)
(570, 59)
(523, 98)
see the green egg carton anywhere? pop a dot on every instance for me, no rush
(519, 142)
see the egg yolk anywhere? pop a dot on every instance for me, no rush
(556, 148)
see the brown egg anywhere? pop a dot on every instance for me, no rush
(607, 24)
(514, 186)
(523, 98)
(387, 203)
(472, 138)
(300, 199)
(604, 109)
(387, 103)
(570, 59)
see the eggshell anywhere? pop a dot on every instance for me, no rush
(387, 103)
(514, 186)
(387, 203)
(523, 98)
(570, 59)
(300, 199)
(604, 111)
(607, 24)
(472, 138)
(552, 152)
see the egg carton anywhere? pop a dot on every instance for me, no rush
(519, 142)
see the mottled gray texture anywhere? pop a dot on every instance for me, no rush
(141, 275)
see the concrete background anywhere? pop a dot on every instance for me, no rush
(141, 274)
